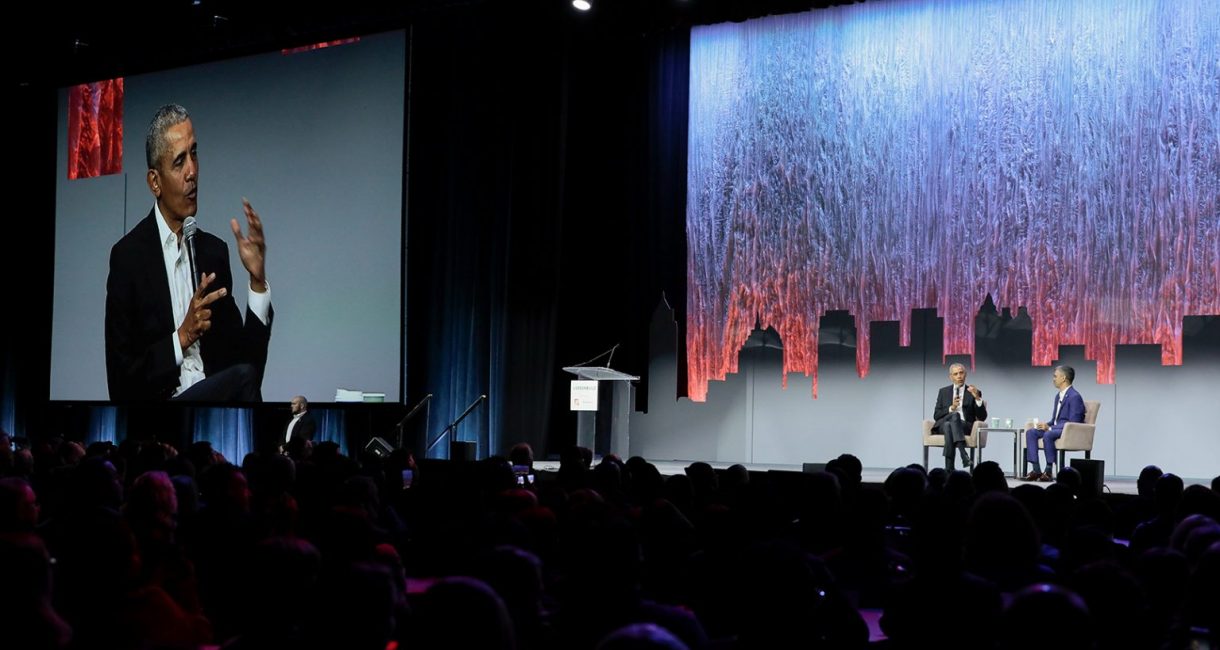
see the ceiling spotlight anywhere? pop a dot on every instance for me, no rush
(583, 5)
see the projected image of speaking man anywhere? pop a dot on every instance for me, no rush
(171, 333)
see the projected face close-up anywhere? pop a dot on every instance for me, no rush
(175, 180)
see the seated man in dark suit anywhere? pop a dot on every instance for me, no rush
(165, 338)
(957, 408)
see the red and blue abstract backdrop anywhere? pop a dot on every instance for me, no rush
(1061, 156)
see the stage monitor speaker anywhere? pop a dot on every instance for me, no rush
(813, 468)
(378, 447)
(462, 451)
(1092, 473)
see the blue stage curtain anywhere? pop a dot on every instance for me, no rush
(485, 231)
(332, 427)
(230, 430)
(8, 390)
(106, 424)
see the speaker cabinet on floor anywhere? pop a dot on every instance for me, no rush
(1091, 474)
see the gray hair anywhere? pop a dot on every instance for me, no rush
(1069, 372)
(957, 365)
(155, 145)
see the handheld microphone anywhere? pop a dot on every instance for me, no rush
(189, 228)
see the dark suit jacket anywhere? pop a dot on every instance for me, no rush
(305, 428)
(140, 318)
(971, 410)
(1072, 409)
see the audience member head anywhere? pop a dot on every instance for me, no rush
(793, 596)
(496, 475)
(203, 456)
(937, 478)
(283, 575)
(702, 479)
(223, 487)
(573, 470)
(516, 576)
(25, 598)
(326, 452)
(641, 636)
(1164, 575)
(70, 452)
(735, 477)
(462, 613)
(849, 470)
(1193, 535)
(1118, 606)
(905, 487)
(1070, 477)
(18, 506)
(1202, 606)
(95, 482)
(187, 494)
(522, 454)
(152, 505)
(359, 605)
(959, 487)
(1002, 541)
(1146, 485)
(988, 477)
(1199, 500)
(1048, 617)
(1168, 493)
(608, 476)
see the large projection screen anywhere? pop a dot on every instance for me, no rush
(314, 140)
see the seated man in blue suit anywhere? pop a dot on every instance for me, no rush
(1069, 407)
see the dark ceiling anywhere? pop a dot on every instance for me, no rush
(57, 44)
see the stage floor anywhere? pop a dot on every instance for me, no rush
(1112, 484)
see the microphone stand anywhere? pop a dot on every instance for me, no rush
(425, 402)
(453, 425)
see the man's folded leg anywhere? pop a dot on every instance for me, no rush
(237, 383)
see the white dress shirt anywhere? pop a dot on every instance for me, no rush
(178, 273)
(959, 393)
(1058, 405)
(292, 425)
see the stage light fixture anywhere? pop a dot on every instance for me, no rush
(583, 5)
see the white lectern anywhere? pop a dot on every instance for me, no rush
(605, 430)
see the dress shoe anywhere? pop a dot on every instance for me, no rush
(1046, 477)
(1032, 476)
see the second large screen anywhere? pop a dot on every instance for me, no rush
(1057, 156)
